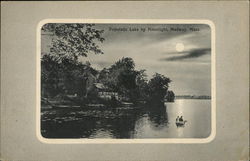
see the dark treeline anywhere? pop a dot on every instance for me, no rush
(66, 79)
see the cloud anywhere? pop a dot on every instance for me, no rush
(194, 53)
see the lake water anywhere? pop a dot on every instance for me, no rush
(156, 122)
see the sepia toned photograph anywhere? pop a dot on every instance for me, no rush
(125, 81)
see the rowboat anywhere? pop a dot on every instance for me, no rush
(180, 123)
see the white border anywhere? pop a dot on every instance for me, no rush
(115, 141)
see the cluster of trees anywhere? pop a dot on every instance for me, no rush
(62, 73)
(65, 77)
(122, 77)
(132, 84)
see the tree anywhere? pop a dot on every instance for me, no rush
(73, 40)
(117, 75)
(61, 70)
(125, 63)
(66, 77)
(142, 85)
(121, 77)
(50, 76)
(170, 96)
(158, 87)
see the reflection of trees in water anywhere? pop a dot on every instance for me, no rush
(118, 124)
(158, 116)
(70, 129)
(121, 127)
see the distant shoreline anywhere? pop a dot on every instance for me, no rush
(192, 97)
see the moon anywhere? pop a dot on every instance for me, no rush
(179, 47)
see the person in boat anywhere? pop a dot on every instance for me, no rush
(177, 119)
(181, 119)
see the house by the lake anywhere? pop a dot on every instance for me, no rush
(104, 92)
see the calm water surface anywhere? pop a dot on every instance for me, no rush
(130, 123)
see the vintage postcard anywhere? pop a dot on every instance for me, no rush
(125, 81)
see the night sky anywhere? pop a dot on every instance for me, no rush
(180, 52)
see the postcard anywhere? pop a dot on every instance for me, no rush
(126, 81)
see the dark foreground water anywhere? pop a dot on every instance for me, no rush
(130, 123)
